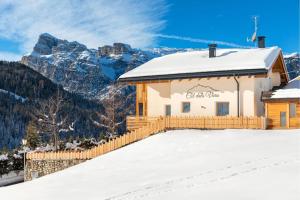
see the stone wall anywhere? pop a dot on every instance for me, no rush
(38, 168)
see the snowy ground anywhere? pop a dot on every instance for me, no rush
(183, 164)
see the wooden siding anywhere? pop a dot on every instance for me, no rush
(273, 110)
(141, 97)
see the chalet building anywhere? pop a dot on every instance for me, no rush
(282, 106)
(213, 82)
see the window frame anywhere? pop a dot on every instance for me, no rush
(182, 106)
(222, 102)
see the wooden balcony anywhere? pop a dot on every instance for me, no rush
(134, 122)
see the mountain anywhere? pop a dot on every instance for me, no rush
(21, 91)
(91, 72)
(292, 62)
(88, 72)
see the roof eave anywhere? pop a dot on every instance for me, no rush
(247, 72)
(272, 99)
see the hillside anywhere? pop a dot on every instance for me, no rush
(182, 164)
(21, 91)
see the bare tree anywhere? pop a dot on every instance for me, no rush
(48, 117)
(117, 107)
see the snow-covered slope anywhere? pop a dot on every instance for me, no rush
(183, 164)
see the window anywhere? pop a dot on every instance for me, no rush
(168, 110)
(222, 108)
(186, 107)
(141, 109)
(282, 119)
(292, 110)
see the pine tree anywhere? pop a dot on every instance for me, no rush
(32, 136)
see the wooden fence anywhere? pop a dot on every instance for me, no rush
(142, 127)
(154, 127)
(200, 122)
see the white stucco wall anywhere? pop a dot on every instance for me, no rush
(203, 106)
(264, 84)
(175, 92)
(158, 95)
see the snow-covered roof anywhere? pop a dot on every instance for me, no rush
(291, 90)
(199, 61)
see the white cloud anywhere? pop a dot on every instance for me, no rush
(203, 41)
(92, 22)
(8, 56)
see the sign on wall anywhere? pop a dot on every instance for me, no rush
(202, 91)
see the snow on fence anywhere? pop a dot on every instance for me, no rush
(142, 127)
(11, 178)
(154, 127)
(214, 122)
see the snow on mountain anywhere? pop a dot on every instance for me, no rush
(182, 164)
(292, 62)
(290, 55)
(17, 97)
(86, 71)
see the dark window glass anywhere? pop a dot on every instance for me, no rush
(292, 110)
(186, 107)
(168, 110)
(282, 119)
(222, 108)
(141, 107)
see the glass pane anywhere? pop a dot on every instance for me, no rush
(292, 110)
(186, 107)
(141, 109)
(222, 109)
(282, 119)
(168, 110)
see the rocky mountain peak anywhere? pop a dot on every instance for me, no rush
(48, 44)
(116, 49)
(45, 44)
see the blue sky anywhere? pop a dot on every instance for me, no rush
(147, 23)
(231, 21)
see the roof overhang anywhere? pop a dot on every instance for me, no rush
(281, 99)
(247, 72)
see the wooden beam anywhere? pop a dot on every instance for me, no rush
(144, 99)
(154, 81)
(261, 76)
(287, 115)
(137, 100)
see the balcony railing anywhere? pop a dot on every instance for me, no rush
(214, 122)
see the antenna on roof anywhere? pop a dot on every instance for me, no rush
(253, 37)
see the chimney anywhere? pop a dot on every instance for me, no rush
(261, 41)
(212, 50)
